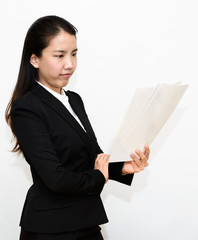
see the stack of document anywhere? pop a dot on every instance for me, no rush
(148, 112)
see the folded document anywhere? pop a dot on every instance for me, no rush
(148, 112)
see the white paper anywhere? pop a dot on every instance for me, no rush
(149, 110)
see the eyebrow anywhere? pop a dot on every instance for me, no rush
(63, 51)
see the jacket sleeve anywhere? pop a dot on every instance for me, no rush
(34, 140)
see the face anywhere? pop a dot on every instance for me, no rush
(57, 62)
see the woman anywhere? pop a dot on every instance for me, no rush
(53, 132)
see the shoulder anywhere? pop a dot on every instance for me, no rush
(26, 99)
(29, 101)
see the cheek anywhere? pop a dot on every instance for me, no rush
(74, 64)
(52, 67)
(52, 64)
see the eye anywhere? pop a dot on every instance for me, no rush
(74, 54)
(59, 56)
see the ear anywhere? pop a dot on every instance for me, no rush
(34, 61)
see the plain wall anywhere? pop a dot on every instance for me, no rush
(122, 45)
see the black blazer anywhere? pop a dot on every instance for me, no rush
(65, 195)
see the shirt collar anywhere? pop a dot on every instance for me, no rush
(61, 97)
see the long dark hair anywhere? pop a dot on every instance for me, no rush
(37, 38)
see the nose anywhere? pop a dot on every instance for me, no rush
(68, 63)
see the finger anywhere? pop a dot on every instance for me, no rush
(105, 157)
(140, 154)
(135, 167)
(102, 156)
(147, 151)
(138, 162)
(99, 156)
(104, 160)
(142, 162)
(142, 157)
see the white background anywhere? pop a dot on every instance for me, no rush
(122, 45)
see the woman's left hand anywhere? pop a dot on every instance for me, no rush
(138, 164)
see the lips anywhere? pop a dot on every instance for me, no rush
(66, 75)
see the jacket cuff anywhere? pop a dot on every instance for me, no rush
(115, 173)
(99, 180)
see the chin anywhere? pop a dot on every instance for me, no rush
(64, 83)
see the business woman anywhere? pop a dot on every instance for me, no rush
(53, 132)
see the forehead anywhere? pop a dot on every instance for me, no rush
(63, 41)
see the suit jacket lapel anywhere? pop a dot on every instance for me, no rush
(59, 108)
(81, 114)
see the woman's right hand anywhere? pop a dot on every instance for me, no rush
(102, 164)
